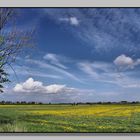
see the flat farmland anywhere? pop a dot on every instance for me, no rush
(70, 118)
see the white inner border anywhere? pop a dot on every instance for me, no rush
(69, 137)
(69, 3)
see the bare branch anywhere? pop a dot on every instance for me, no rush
(12, 40)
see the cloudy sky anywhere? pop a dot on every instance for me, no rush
(81, 55)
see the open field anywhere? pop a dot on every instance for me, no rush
(70, 118)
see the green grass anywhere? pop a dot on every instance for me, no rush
(68, 118)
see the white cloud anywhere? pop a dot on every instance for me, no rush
(125, 62)
(55, 88)
(29, 85)
(55, 60)
(32, 86)
(72, 20)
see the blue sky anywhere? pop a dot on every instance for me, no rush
(81, 55)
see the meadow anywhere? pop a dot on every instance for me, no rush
(70, 118)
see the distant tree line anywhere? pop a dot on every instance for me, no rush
(18, 102)
(73, 104)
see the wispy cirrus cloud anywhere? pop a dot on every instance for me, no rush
(105, 28)
(54, 68)
(55, 60)
(96, 71)
(106, 73)
(28, 71)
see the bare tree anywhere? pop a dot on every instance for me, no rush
(12, 40)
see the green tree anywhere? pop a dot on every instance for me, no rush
(3, 79)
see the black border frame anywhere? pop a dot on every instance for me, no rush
(70, 133)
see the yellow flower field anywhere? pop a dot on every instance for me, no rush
(70, 118)
(89, 110)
